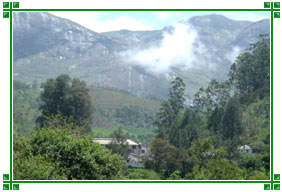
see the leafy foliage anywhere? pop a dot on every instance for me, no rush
(211, 163)
(231, 123)
(170, 109)
(186, 128)
(214, 96)
(251, 71)
(72, 157)
(66, 96)
(25, 108)
(224, 116)
(199, 141)
(165, 157)
(143, 174)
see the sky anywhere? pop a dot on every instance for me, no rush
(114, 21)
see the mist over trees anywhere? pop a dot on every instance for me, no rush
(222, 118)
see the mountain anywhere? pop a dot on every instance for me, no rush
(250, 33)
(46, 46)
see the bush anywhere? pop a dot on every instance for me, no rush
(54, 154)
(143, 174)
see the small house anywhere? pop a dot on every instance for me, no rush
(136, 151)
(245, 149)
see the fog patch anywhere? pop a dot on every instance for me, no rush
(179, 48)
(231, 56)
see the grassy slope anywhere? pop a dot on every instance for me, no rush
(112, 99)
(105, 101)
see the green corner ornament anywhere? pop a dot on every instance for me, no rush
(5, 14)
(16, 186)
(266, 4)
(16, 4)
(266, 186)
(276, 186)
(276, 176)
(276, 4)
(6, 5)
(5, 176)
(6, 187)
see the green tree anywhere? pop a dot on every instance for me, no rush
(64, 156)
(215, 119)
(143, 174)
(170, 109)
(164, 158)
(231, 124)
(186, 128)
(251, 71)
(211, 163)
(176, 175)
(68, 97)
(25, 108)
(215, 95)
(35, 168)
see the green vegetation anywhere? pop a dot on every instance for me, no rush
(199, 141)
(55, 152)
(142, 174)
(111, 108)
(25, 107)
(119, 144)
(68, 97)
(114, 108)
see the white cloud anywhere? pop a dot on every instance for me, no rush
(177, 49)
(236, 51)
(93, 21)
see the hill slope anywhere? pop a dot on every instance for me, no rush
(46, 46)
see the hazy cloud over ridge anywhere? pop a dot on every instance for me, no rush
(179, 48)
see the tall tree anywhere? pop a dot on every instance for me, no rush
(215, 120)
(215, 95)
(170, 109)
(231, 125)
(165, 157)
(251, 70)
(186, 129)
(68, 97)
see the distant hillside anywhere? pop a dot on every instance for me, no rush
(107, 98)
(46, 46)
(119, 108)
(112, 108)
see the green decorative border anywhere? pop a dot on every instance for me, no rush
(10, 184)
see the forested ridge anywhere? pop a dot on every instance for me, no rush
(54, 127)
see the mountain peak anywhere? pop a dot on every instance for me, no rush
(218, 22)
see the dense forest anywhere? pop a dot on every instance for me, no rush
(54, 126)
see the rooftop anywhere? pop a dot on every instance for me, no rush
(245, 147)
(107, 141)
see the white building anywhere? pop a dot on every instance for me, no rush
(245, 149)
(136, 153)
